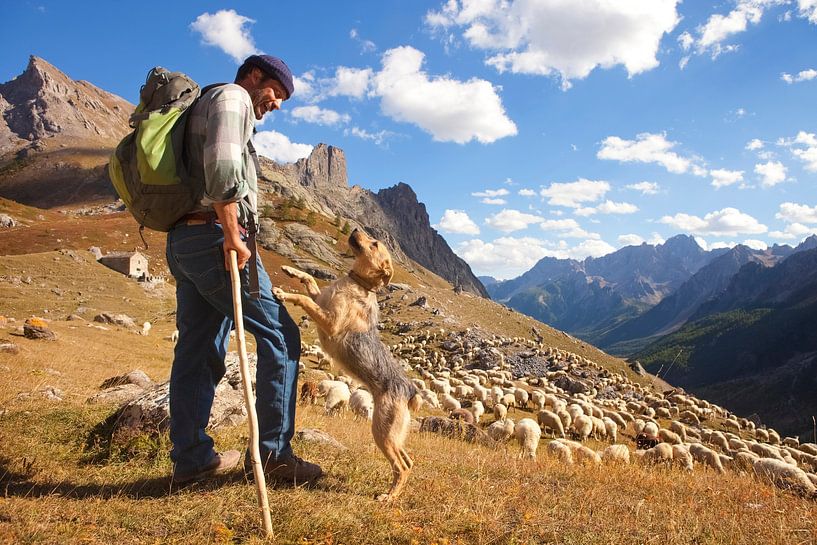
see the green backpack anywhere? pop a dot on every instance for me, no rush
(148, 169)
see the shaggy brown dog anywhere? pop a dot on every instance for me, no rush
(346, 314)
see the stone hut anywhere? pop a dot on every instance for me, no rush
(132, 264)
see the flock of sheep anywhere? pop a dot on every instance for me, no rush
(571, 399)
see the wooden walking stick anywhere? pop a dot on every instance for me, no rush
(249, 398)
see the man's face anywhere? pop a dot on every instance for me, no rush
(267, 96)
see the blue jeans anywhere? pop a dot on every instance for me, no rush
(204, 318)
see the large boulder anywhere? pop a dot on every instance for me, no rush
(7, 221)
(37, 328)
(115, 319)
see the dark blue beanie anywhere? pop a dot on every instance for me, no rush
(273, 67)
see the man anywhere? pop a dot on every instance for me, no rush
(219, 152)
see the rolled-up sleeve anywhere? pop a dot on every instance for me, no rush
(225, 142)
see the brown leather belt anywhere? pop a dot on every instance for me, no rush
(202, 218)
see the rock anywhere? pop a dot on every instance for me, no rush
(421, 302)
(75, 318)
(136, 377)
(7, 221)
(50, 393)
(37, 328)
(316, 244)
(3, 321)
(396, 286)
(638, 368)
(117, 395)
(571, 385)
(310, 435)
(456, 429)
(9, 348)
(115, 319)
(96, 252)
(150, 411)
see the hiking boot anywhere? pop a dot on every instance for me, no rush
(220, 464)
(292, 470)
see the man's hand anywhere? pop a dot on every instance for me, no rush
(228, 218)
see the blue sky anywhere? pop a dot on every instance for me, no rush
(528, 128)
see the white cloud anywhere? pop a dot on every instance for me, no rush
(803, 75)
(590, 248)
(526, 192)
(304, 86)
(377, 137)
(610, 207)
(804, 147)
(755, 244)
(457, 221)
(793, 231)
(772, 173)
(448, 109)
(728, 222)
(797, 213)
(722, 177)
(509, 220)
(349, 82)
(320, 116)
(505, 257)
(630, 240)
(573, 194)
(491, 193)
(226, 30)
(279, 148)
(646, 188)
(648, 148)
(754, 145)
(568, 228)
(558, 37)
(490, 200)
(366, 46)
(656, 239)
(720, 244)
(702, 243)
(808, 10)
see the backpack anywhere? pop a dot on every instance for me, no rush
(148, 169)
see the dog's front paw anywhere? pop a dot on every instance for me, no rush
(290, 271)
(279, 294)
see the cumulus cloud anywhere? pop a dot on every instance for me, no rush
(278, 147)
(509, 220)
(573, 194)
(349, 82)
(561, 38)
(505, 257)
(458, 222)
(611, 207)
(320, 116)
(797, 213)
(793, 231)
(228, 31)
(728, 222)
(722, 177)
(568, 228)
(490, 200)
(490, 193)
(648, 148)
(630, 240)
(803, 75)
(754, 144)
(804, 147)
(378, 137)
(771, 173)
(808, 10)
(646, 188)
(755, 244)
(448, 109)
(526, 193)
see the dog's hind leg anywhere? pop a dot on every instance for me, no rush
(389, 427)
(306, 279)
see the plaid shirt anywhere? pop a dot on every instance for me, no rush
(218, 130)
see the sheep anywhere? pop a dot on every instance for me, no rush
(477, 409)
(509, 400)
(500, 412)
(744, 461)
(337, 397)
(537, 397)
(731, 425)
(680, 429)
(791, 442)
(737, 444)
(564, 417)
(616, 453)
(667, 436)
(784, 476)
(638, 426)
(599, 429)
(309, 392)
(582, 427)
(644, 441)
(774, 437)
(463, 415)
(718, 439)
(501, 430)
(362, 404)
(430, 397)
(574, 411)
(440, 386)
(527, 433)
(765, 451)
(659, 454)
(561, 451)
(450, 403)
(810, 448)
(762, 435)
(521, 398)
(552, 422)
(689, 417)
(611, 428)
(707, 456)
(682, 457)
(463, 392)
(581, 453)
(650, 428)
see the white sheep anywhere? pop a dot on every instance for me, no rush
(560, 451)
(707, 456)
(564, 417)
(785, 476)
(450, 403)
(527, 433)
(537, 397)
(667, 436)
(682, 457)
(581, 453)
(501, 430)
(337, 397)
(651, 429)
(362, 404)
(616, 453)
(582, 427)
(551, 421)
(599, 429)
(440, 386)
(500, 412)
(612, 429)
(521, 398)
(509, 400)
(659, 454)
(430, 398)
(477, 409)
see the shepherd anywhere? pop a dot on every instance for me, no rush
(219, 152)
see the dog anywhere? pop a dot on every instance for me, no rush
(346, 314)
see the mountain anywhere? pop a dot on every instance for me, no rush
(674, 310)
(589, 298)
(55, 137)
(753, 348)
